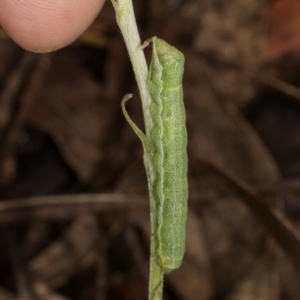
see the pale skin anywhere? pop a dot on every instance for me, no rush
(43, 25)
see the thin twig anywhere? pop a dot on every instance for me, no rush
(284, 233)
(81, 199)
(275, 83)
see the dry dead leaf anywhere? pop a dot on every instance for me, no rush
(283, 24)
(71, 109)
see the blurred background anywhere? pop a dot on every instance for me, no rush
(74, 215)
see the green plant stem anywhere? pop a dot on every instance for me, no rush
(156, 277)
(126, 21)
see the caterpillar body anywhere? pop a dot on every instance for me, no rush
(165, 154)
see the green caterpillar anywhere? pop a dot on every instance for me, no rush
(165, 154)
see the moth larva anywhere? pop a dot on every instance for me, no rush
(165, 154)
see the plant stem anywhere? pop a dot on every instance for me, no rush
(126, 21)
(127, 24)
(156, 277)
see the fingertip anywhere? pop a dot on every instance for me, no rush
(44, 26)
